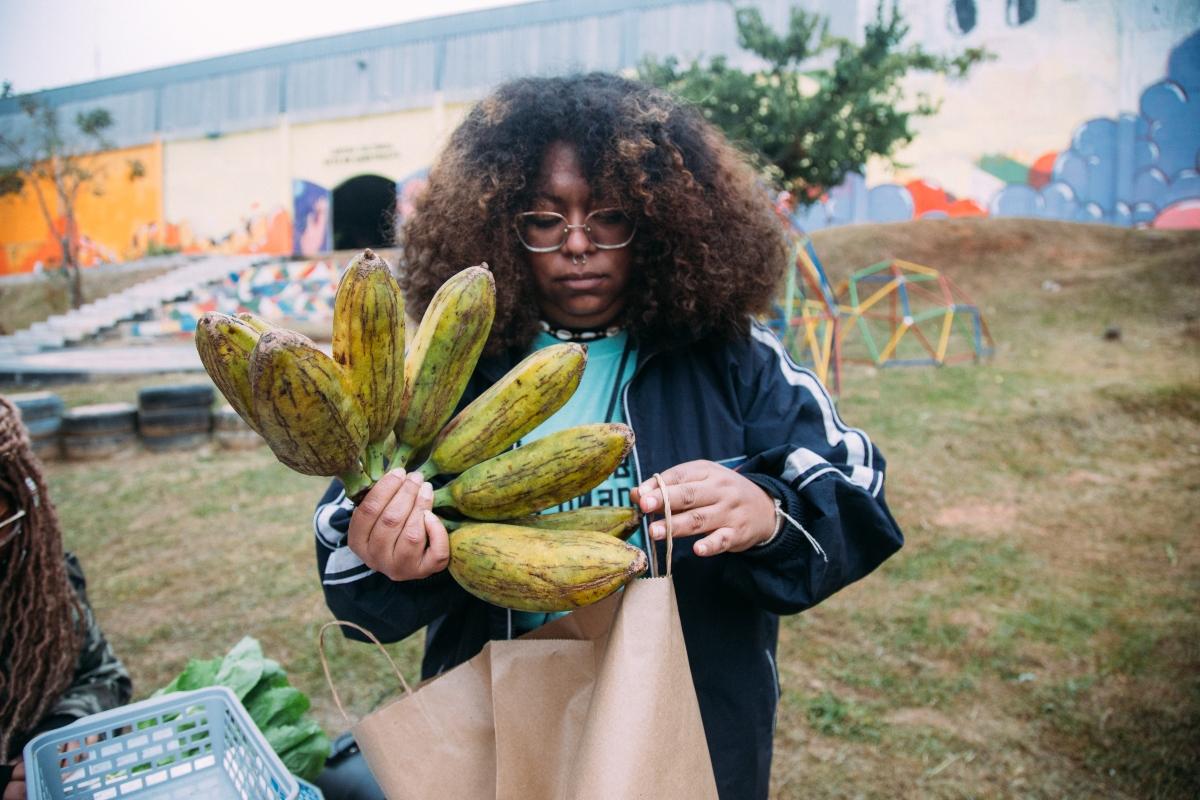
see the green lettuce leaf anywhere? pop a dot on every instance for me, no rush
(307, 752)
(196, 675)
(277, 708)
(242, 668)
(281, 705)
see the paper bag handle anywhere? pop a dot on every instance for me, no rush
(667, 516)
(325, 661)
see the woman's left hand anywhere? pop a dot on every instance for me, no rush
(732, 512)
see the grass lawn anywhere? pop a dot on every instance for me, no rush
(1037, 637)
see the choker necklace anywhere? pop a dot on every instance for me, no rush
(567, 335)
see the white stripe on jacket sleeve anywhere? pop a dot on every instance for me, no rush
(802, 461)
(343, 565)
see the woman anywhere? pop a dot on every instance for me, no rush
(612, 214)
(55, 664)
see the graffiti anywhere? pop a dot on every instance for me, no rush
(1135, 169)
(1018, 12)
(284, 293)
(314, 223)
(46, 254)
(1127, 170)
(267, 232)
(961, 16)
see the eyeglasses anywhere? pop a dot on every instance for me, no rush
(546, 231)
(15, 521)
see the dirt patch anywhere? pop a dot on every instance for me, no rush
(987, 519)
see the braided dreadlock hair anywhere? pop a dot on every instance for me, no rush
(41, 620)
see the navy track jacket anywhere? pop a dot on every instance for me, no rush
(744, 404)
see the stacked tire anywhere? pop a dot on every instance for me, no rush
(41, 413)
(175, 417)
(232, 432)
(98, 431)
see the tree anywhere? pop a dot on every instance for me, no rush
(49, 161)
(810, 127)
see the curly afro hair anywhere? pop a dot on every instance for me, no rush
(708, 253)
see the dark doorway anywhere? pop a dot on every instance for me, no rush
(363, 210)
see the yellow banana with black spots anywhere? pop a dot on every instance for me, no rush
(530, 569)
(618, 521)
(543, 473)
(305, 408)
(509, 409)
(224, 344)
(368, 343)
(442, 356)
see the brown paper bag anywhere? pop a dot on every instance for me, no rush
(642, 735)
(440, 739)
(597, 704)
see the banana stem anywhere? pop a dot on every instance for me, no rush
(374, 465)
(400, 456)
(442, 497)
(355, 482)
(429, 470)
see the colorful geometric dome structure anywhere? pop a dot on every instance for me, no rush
(897, 313)
(894, 313)
(807, 319)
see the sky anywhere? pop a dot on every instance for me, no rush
(49, 43)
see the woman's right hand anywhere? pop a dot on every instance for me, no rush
(395, 532)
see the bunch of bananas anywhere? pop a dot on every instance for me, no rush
(374, 405)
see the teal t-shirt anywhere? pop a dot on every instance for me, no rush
(610, 365)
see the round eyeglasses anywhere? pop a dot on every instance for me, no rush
(547, 231)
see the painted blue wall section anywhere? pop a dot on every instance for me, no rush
(1123, 171)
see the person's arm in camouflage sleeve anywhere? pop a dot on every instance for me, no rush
(101, 681)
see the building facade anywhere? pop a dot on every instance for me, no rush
(1088, 112)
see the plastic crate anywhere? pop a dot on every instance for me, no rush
(308, 791)
(199, 744)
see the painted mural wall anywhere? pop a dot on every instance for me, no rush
(109, 221)
(234, 193)
(231, 193)
(1089, 113)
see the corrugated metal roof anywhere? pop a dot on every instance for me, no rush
(405, 66)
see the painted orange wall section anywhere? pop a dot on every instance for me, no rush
(108, 221)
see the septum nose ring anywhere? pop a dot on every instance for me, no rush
(579, 259)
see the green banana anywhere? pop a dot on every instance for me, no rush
(305, 409)
(538, 475)
(509, 409)
(224, 344)
(618, 521)
(529, 569)
(442, 356)
(254, 321)
(368, 343)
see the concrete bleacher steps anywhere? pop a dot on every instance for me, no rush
(81, 324)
